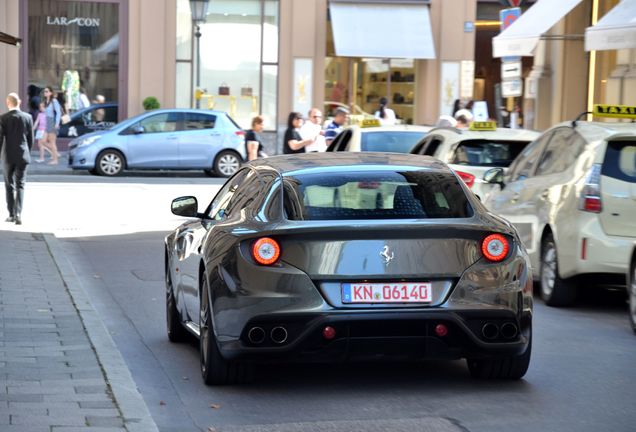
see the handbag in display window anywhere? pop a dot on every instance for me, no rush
(224, 89)
(246, 90)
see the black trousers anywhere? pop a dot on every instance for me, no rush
(14, 179)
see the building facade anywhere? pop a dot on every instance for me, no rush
(271, 57)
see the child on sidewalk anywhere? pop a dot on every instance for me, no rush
(40, 132)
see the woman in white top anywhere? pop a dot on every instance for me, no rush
(384, 114)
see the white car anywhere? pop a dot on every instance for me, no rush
(395, 139)
(572, 196)
(470, 153)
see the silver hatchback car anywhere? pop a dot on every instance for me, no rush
(174, 139)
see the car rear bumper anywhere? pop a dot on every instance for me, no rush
(376, 335)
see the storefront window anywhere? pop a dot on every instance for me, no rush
(239, 59)
(74, 45)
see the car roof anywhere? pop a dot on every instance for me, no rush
(601, 131)
(505, 134)
(323, 162)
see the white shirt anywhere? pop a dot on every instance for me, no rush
(309, 130)
(390, 117)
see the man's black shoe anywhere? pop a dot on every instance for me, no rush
(18, 221)
(10, 219)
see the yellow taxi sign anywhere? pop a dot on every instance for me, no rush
(370, 122)
(483, 126)
(615, 111)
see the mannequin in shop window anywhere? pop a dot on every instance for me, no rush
(70, 87)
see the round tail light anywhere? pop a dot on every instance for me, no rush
(266, 251)
(495, 247)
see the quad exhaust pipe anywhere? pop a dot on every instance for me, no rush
(507, 330)
(278, 335)
(256, 335)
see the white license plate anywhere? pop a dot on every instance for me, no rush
(404, 292)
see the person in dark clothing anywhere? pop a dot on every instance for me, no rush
(16, 141)
(253, 143)
(293, 142)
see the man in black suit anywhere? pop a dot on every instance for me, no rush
(16, 141)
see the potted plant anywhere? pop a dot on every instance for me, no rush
(151, 103)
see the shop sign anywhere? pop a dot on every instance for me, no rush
(510, 70)
(512, 88)
(467, 79)
(65, 21)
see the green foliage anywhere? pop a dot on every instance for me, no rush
(151, 103)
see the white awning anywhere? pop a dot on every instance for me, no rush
(616, 30)
(522, 37)
(386, 30)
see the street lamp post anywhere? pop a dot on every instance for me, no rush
(199, 9)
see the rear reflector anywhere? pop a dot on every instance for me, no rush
(468, 178)
(584, 248)
(495, 247)
(266, 251)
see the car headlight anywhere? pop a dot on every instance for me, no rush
(88, 140)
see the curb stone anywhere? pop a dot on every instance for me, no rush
(127, 397)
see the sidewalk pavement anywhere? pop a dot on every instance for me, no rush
(59, 368)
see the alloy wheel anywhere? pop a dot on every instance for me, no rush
(548, 269)
(110, 164)
(228, 164)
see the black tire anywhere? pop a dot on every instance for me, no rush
(631, 288)
(227, 163)
(215, 369)
(110, 163)
(555, 291)
(508, 367)
(176, 331)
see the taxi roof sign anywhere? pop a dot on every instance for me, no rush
(483, 126)
(615, 111)
(370, 122)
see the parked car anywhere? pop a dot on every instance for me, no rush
(175, 139)
(272, 270)
(91, 119)
(572, 196)
(470, 153)
(371, 137)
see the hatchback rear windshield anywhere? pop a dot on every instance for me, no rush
(620, 161)
(489, 153)
(395, 141)
(375, 195)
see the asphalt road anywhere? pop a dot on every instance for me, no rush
(581, 376)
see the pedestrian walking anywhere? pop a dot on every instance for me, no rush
(335, 127)
(312, 129)
(16, 141)
(463, 117)
(40, 132)
(385, 114)
(293, 142)
(53, 112)
(82, 99)
(253, 143)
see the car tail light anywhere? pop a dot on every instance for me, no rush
(495, 247)
(468, 178)
(266, 251)
(240, 133)
(590, 198)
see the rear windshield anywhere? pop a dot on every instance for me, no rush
(620, 161)
(489, 153)
(375, 195)
(386, 141)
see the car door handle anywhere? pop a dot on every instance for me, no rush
(215, 134)
(173, 137)
(514, 198)
(545, 194)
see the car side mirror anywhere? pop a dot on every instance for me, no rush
(186, 206)
(495, 176)
(138, 129)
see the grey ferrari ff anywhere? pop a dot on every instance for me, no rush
(351, 256)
